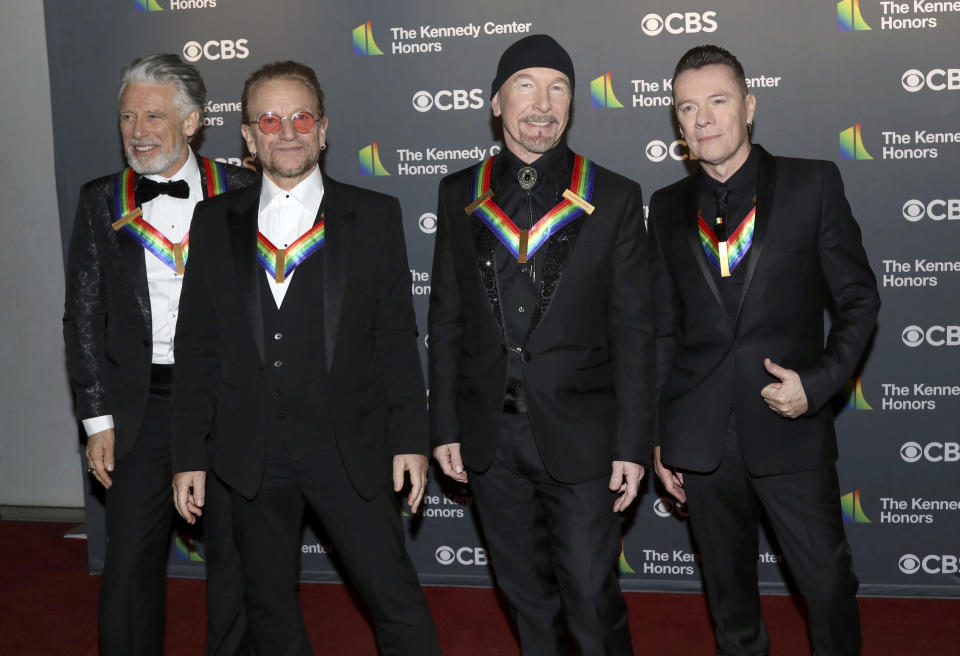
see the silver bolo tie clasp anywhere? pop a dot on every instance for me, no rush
(527, 177)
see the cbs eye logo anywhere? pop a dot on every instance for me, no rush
(666, 507)
(911, 452)
(428, 223)
(912, 336)
(445, 555)
(422, 101)
(912, 80)
(909, 564)
(913, 210)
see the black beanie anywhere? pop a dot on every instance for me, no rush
(534, 51)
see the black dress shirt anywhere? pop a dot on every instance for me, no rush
(519, 284)
(741, 198)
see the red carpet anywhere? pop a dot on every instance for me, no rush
(48, 606)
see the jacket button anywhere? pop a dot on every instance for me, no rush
(277, 363)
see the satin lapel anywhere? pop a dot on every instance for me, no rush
(484, 245)
(555, 254)
(336, 254)
(135, 264)
(766, 184)
(136, 267)
(692, 232)
(242, 226)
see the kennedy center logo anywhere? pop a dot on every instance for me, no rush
(852, 511)
(851, 144)
(623, 564)
(601, 91)
(363, 43)
(849, 17)
(186, 548)
(147, 5)
(853, 390)
(370, 160)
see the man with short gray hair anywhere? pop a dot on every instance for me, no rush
(124, 273)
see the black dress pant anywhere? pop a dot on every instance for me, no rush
(139, 517)
(226, 608)
(553, 550)
(804, 511)
(132, 602)
(367, 535)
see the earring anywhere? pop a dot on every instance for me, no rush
(750, 126)
(323, 146)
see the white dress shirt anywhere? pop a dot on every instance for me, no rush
(171, 217)
(285, 215)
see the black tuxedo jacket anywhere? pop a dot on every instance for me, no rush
(106, 323)
(375, 381)
(806, 248)
(588, 357)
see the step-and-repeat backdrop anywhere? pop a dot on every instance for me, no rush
(871, 84)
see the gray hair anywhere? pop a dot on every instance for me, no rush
(163, 68)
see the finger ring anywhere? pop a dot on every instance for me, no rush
(91, 469)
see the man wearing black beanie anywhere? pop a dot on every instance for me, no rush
(541, 358)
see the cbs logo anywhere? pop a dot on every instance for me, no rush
(214, 50)
(914, 336)
(936, 210)
(246, 162)
(464, 555)
(428, 223)
(932, 564)
(666, 507)
(445, 100)
(932, 452)
(677, 23)
(937, 79)
(657, 150)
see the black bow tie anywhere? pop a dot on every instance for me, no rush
(149, 189)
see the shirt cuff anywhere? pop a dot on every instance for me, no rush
(97, 424)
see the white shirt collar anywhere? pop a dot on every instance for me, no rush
(308, 192)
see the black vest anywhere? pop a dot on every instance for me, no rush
(295, 365)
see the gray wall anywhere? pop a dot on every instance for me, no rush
(38, 444)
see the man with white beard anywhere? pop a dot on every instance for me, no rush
(124, 273)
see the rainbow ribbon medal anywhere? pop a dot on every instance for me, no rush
(132, 222)
(522, 244)
(280, 262)
(726, 255)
